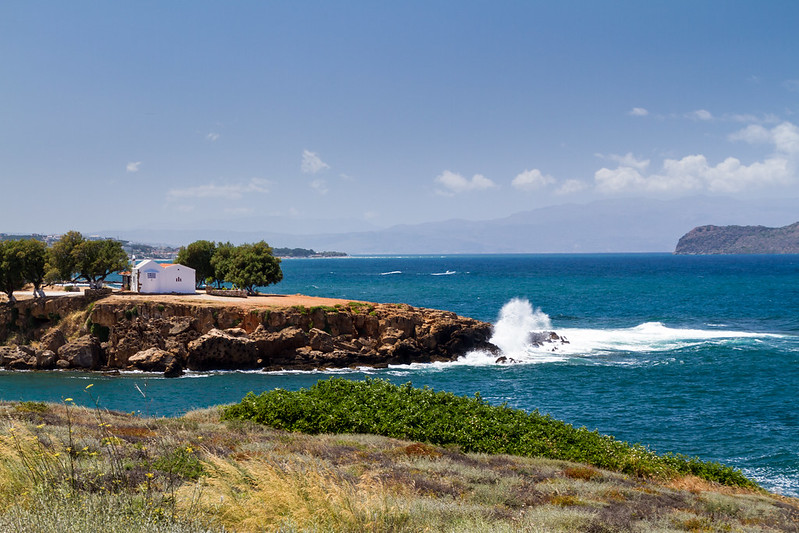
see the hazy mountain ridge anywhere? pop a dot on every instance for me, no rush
(740, 240)
(608, 226)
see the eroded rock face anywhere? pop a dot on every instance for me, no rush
(220, 349)
(167, 337)
(154, 360)
(52, 340)
(84, 353)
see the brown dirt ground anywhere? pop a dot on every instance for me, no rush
(253, 302)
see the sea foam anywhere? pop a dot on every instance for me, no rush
(518, 319)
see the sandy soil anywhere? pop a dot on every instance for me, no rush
(260, 301)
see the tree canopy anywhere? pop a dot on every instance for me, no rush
(198, 255)
(73, 258)
(12, 267)
(253, 265)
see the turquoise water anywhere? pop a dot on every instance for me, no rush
(696, 355)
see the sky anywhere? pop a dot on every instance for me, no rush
(304, 116)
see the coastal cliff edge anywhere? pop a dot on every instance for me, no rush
(170, 334)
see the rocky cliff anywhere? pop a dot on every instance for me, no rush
(160, 335)
(740, 240)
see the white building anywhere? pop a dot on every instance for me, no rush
(151, 277)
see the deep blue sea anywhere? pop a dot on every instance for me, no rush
(691, 354)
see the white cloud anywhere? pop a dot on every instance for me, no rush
(695, 173)
(638, 112)
(531, 180)
(700, 114)
(571, 187)
(752, 134)
(454, 183)
(784, 137)
(627, 160)
(320, 186)
(230, 191)
(311, 163)
(212, 136)
(133, 166)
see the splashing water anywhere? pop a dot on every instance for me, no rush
(517, 320)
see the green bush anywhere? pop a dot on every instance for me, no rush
(378, 407)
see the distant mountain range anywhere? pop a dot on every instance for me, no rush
(740, 240)
(607, 226)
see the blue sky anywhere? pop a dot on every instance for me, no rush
(326, 116)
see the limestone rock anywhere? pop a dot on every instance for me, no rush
(8, 354)
(321, 340)
(219, 349)
(45, 359)
(280, 345)
(52, 340)
(152, 360)
(84, 352)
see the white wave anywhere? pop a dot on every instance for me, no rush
(447, 273)
(518, 319)
(391, 273)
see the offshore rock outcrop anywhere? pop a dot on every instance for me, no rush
(168, 337)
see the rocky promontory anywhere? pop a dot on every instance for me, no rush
(171, 334)
(740, 240)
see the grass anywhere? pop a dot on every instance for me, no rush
(69, 468)
(379, 407)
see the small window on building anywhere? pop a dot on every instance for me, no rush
(151, 275)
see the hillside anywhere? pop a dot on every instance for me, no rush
(740, 240)
(68, 468)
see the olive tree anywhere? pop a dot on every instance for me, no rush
(220, 262)
(74, 258)
(253, 265)
(11, 268)
(34, 264)
(198, 255)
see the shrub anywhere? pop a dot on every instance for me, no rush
(379, 407)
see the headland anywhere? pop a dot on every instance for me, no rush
(113, 331)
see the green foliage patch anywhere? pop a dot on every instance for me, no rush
(379, 407)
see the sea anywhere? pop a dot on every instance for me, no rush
(697, 355)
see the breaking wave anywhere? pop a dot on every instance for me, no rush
(518, 322)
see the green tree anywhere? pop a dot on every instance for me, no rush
(198, 255)
(34, 264)
(61, 259)
(253, 265)
(73, 258)
(12, 268)
(96, 260)
(220, 262)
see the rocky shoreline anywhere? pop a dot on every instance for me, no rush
(104, 332)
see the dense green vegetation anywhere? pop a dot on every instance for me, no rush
(71, 258)
(378, 407)
(246, 266)
(69, 468)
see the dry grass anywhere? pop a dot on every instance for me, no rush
(67, 468)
